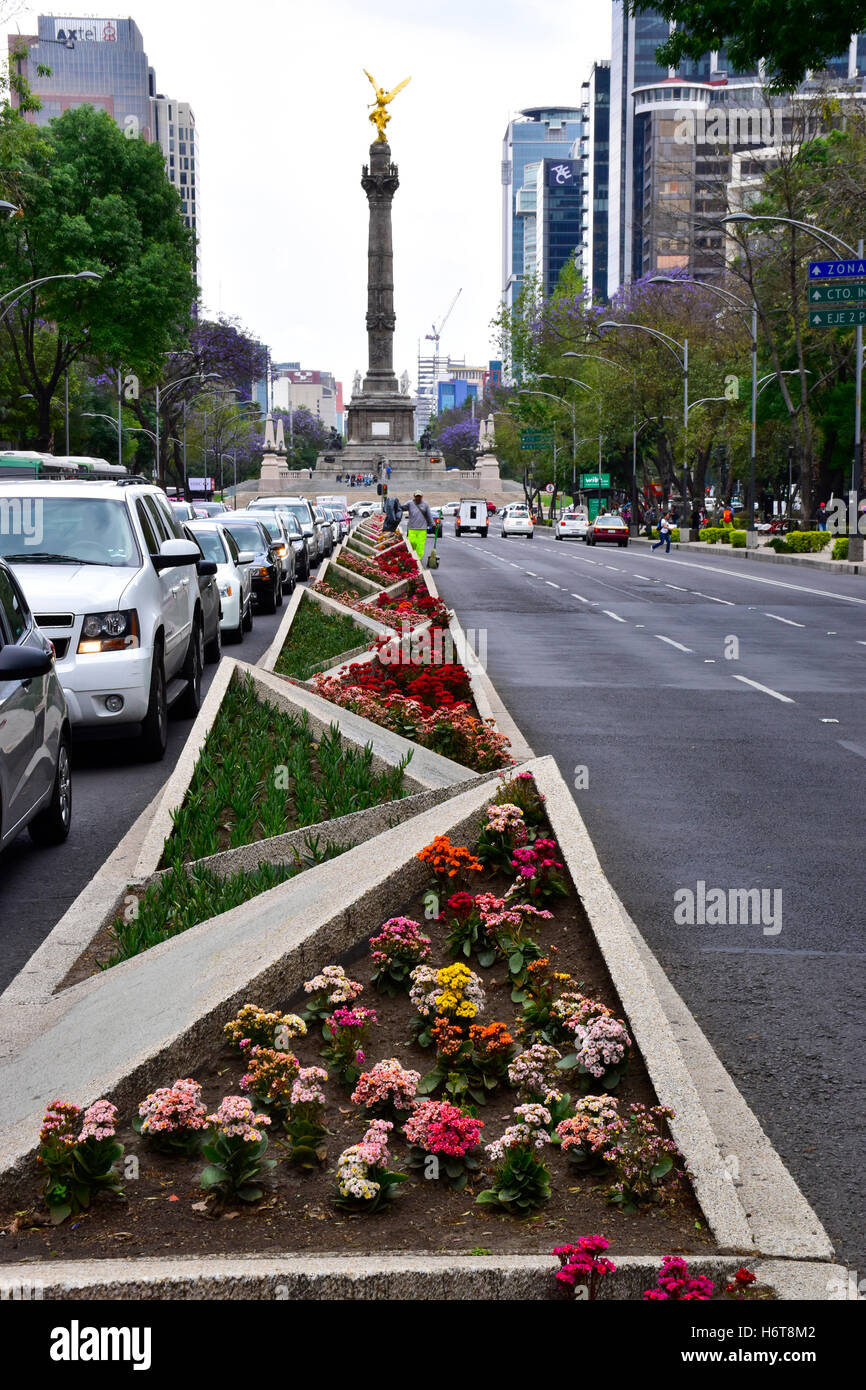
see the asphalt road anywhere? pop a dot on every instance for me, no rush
(711, 716)
(110, 789)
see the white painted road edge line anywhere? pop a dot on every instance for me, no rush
(756, 685)
(615, 616)
(790, 622)
(671, 643)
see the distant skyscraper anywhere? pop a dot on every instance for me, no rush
(175, 130)
(594, 150)
(102, 63)
(539, 133)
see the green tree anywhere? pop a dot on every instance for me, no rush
(791, 38)
(90, 199)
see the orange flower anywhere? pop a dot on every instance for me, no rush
(447, 1037)
(490, 1039)
(445, 858)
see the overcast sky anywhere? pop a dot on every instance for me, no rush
(280, 101)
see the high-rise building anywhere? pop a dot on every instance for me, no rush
(673, 137)
(315, 391)
(537, 134)
(175, 130)
(594, 150)
(102, 63)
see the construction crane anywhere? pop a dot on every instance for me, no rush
(437, 332)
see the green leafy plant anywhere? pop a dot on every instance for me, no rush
(77, 1166)
(521, 1181)
(840, 548)
(235, 1151)
(316, 637)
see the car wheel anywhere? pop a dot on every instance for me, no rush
(51, 826)
(269, 605)
(214, 649)
(248, 617)
(154, 728)
(484, 531)
(189, 703)
(457, 530)
(236, 634)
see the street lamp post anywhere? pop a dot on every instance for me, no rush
(572, 411)
(855, 542)
(671, 344)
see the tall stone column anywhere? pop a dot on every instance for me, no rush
(380, 182)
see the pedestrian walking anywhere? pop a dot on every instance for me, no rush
(419, 517)
(388, 472)
(664, 534)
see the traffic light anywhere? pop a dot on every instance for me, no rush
(378, 489)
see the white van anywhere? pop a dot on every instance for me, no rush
(472, 516)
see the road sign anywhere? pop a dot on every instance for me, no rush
(846, 292)
(594, 480)
(536, 439)
(837, 318)
(550, 488)
(837, 270)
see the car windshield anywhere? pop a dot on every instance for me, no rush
(67, 531)
(213, 508)
(268, 519)
(298, 510)
(247, 535)
(609, 521)
(212, 546)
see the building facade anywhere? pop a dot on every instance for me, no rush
(318, 392)
(538, 134)
(593, 149)
(174, 129)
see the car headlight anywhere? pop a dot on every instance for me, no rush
(109, 632)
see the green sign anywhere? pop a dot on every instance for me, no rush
(536, 439)
(597, 506)
(837, 318)
(846, 292)
(588, 480)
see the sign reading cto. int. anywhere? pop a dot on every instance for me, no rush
(845, 292)
(85, 30)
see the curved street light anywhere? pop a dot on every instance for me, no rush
(683, 362)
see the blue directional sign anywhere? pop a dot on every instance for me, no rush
(837, 270)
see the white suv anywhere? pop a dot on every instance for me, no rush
(112, 581)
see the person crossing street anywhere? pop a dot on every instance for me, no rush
(419, 518)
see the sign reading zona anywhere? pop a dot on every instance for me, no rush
(837, 270)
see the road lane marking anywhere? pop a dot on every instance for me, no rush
(614, 567)
(615, 616)
(789, 621)
(643, 576)
(677, 586)
(756, 685)
(852, 747)
(671, 643)
(580, 597)
(551, 584)
(725, 601)
(531, 574)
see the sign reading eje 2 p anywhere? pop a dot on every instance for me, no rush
(837, 270)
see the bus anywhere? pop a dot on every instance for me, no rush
(28, 463)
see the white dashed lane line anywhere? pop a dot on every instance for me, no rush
(756, 685)
(678, 587)
(726, 601)
(615, 616)
(671, 643)
(789, 621)
(644, 576)
(551, 584)
(580, 598)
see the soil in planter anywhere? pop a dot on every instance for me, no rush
(317, 636)
(334, 580)
(164, 1211)
(261, 773)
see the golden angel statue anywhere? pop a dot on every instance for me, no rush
(379, 114)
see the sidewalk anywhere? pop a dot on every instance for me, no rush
(765, 555)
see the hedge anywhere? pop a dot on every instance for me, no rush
(840, 548)
(800, 542)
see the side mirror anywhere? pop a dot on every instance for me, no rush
(177, 552)
(23, 663)
(206, 567)
(245, 557)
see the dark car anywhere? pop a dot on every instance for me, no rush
(35, 778)
(276, 523)
(265, 570)
(299, 522)
(211, 508)
(211, 611)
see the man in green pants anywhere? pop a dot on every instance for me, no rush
(420, 517)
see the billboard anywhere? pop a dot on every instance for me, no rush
(85, 30)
